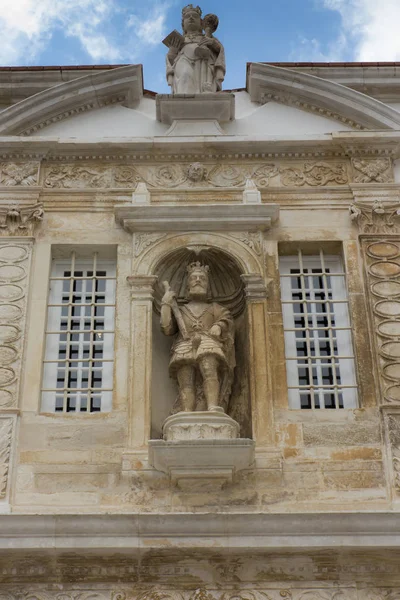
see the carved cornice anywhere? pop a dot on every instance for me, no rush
(213, 217)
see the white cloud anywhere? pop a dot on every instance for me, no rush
(151, 29)
(370, 27)
(368, 32)
(28, 27)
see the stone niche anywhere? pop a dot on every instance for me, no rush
(199, 446)
(227, 289)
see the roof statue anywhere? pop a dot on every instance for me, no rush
(196, 59)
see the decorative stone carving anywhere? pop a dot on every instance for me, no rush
(6, 427)
(145, 240)
(128, 592)
(14, 271)
(203, 355)
(376, 217)
(20, 220)
(12, 174)
(252, 239)
(82, 177)
(315, 174)
(383, 278)
(393, 434)
(196, 60)
(372, 170)
(200, 426)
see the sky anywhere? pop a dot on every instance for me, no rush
(72, 32)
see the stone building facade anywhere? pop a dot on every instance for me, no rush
(289, 191)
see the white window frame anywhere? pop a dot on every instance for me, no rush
(83, 328)
(340, 364)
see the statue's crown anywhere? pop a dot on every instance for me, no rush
(197, 266)
(190, 8)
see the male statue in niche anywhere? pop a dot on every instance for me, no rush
(202, 355)
(196, 59)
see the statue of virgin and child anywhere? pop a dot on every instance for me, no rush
(196, 59)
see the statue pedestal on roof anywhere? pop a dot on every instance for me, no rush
(195, 69)
(197, 114)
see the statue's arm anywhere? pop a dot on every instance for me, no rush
(223, 321)
(168, 321)
(170, 59)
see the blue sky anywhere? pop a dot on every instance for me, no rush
(68, 32)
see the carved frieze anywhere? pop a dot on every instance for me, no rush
(372, 170)
(277, 592)
(376, 217)
(20, 220)
(15, 174)
(6, 428)
(197, 175)
(315, 174)
(382, 260)
(90, 177)
(14, 271)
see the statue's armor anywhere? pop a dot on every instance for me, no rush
(201, 342)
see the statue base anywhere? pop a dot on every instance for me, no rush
(197, 114)
(201, 450)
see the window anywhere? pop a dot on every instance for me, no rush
(78, 365)
(318, 344)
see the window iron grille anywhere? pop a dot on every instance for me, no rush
(318, 342)
(79, 355)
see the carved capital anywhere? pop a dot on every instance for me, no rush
(377, 216)
(20, 220)
(142, 286)
(255, 289)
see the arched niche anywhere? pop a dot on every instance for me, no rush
(226, 288)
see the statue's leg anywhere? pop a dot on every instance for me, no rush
(187, 389)
(209, 370)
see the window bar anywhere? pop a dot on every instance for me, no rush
(307, 338)
(68, 333)
(330, 332)
(92, 333)
(314, 335)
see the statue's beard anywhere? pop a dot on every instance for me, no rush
(197, 295)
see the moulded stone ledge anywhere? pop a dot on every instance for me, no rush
(216, 217)
(219, 106)
(201, 464)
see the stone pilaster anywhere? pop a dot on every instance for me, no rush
(261, 399)
(15, 259)
(141, 359)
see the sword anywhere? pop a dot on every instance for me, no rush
(177, 313)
